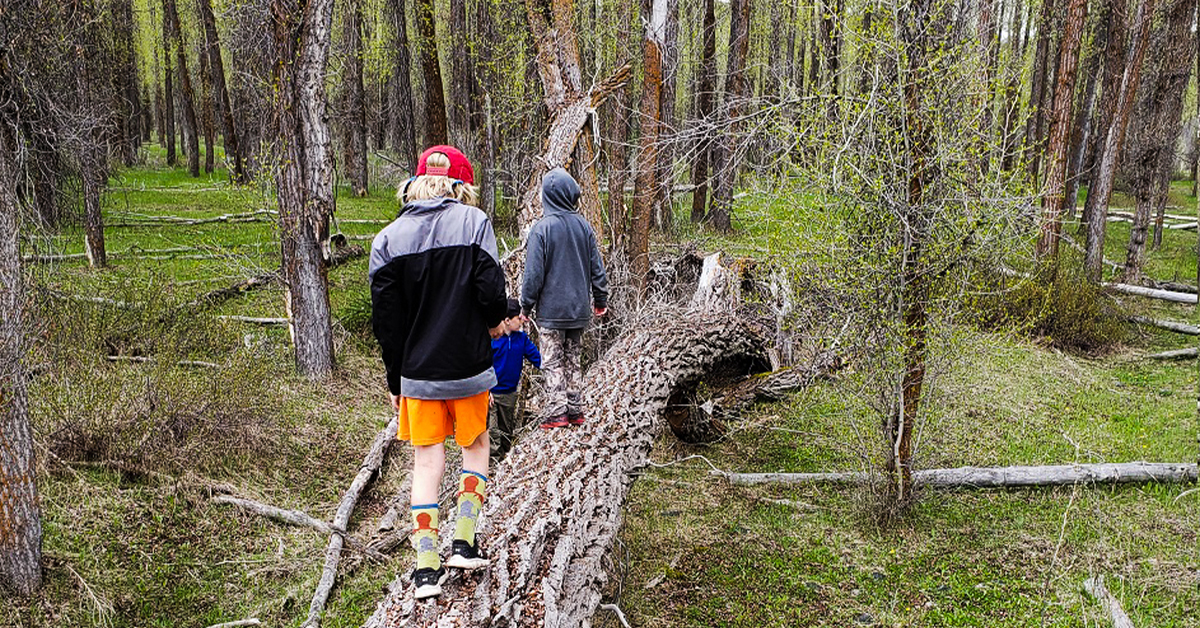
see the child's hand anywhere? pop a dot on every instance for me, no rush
(496, 331)
(491, 400)
(599, 311)
(395, 400)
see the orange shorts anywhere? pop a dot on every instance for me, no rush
(429, 421)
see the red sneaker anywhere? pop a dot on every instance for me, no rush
(553, 422)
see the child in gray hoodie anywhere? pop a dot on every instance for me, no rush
(565, 284)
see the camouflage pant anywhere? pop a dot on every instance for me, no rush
(560, 364)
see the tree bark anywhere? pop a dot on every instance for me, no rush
(704, 111)
(1121, 100)
(356, 102)
(1081, 128)
(988, 45)
(435, 98)
(1151, 155)
(126, 79)
(1038, 89)
(737, 90)
(304, 175)
(20, 517)
(996, 477)
(663, 215)
(216, 68)
(548, 541)
(400, 126)
(94, 175)
(191, 128)
(168, 113)
(1112, 607)
(207, 114)
(1060, 127)
(646, 186)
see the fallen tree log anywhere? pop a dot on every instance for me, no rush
(1112, 607)
(150, 220)
(995, 477)
(1182, 328)
(1171, 286)
(1177, 354)
(341, 255)
(341, 520)
(1165, 295)
(547, 540)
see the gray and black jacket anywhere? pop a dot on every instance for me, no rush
(436, 289)
(564, 273)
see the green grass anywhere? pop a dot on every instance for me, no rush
(124, 550)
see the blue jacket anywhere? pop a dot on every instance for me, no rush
(508, 353)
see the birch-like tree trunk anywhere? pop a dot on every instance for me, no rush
(356, 101)
(304, 175)
(1060, 128)
(20, 517)
(1114, 135)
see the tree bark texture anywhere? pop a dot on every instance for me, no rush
(704, 110)
(1150, 156)
(996, 477)
(304, 175)
(187, 97)
(1114, 135)
(435, 98)
(355, 120)
(1039, 87)
(207, 115)
(663, 214)
(1081, 128)
(464, 85)
(400, 111)
(94, 175)
(126, 79)
(20, 518)
(548, 541)
(646, 185)
(737, 90)
(1060, 130)
(168, 113)
(216, 69)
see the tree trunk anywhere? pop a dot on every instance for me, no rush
(464, 86)
(1081, 128)
(304, 175)
(663, 213)
(1060, 127)
(704, 111)
(168, 88)
(128, 95)
(356, 102)
(216, 68)
(1114, 135)
(191, 128)
(435, 98)
(1151, 154)
(646, 185)
(736, 92)
(1012, 91)
(20, 519)
(94, 175)
(207, 114)
(1037, 93)
(987, 45)
(548, 542)
(400, 126)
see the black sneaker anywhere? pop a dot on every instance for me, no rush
(555, 421)
(429, 582)
(463, 555)
(576, 419)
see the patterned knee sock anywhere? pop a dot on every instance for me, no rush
(471, 489)
(425, 535)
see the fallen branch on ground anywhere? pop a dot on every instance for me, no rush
(1172, 286)
(144, 359)
(1182, 328)
(1178, 354)
(255, 320)
(299, 519)
(130, 252)
(333, 553)
(1095, 587)
(995, 477)
(253, 621)
(147, 220)
(1165, 295)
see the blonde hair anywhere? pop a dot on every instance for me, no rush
(427, 186)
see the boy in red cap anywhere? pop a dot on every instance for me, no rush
(438, 298)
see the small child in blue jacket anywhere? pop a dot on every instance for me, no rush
(509, 353)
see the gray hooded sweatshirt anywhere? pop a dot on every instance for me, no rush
(564, 273)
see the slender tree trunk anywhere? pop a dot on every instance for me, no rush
(216, 76)
(736, 91)
(814, 64)
(464, 88)
(646, 186)
(190, 126)
(1115, 136)
(1196, 151)
(20, 517)
(93, 166)
(1012, 92)
(435, 99)
(663, 213)
(128, 95)
(400, 128)
(356, 102)
(304, 175)
(1081, 128)
(488, 82)
(207, 114)
(987, 45)
(1037, 94)
(1060, 127)
(1156, 130)
(168, 88)
(704, 112)
(1115, 53)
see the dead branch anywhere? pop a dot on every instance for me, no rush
(1182, 328)
(299, 519)
(254, 320)
(236, 624)
(1095, 587)
(1165, 295)
(141, 359)
(1178, 354)
(995, 477)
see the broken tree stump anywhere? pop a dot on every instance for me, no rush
(556, 501)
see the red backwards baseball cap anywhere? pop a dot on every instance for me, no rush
(459, 168)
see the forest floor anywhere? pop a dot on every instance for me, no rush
(124, 548)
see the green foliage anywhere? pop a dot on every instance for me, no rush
(1069, 312)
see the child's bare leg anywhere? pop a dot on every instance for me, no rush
(429, 462)
(477, 455)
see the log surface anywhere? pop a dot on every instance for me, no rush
(556, 501)
(997, 477)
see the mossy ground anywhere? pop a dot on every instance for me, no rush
(125, 550)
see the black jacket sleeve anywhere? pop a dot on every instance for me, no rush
(388, 320)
